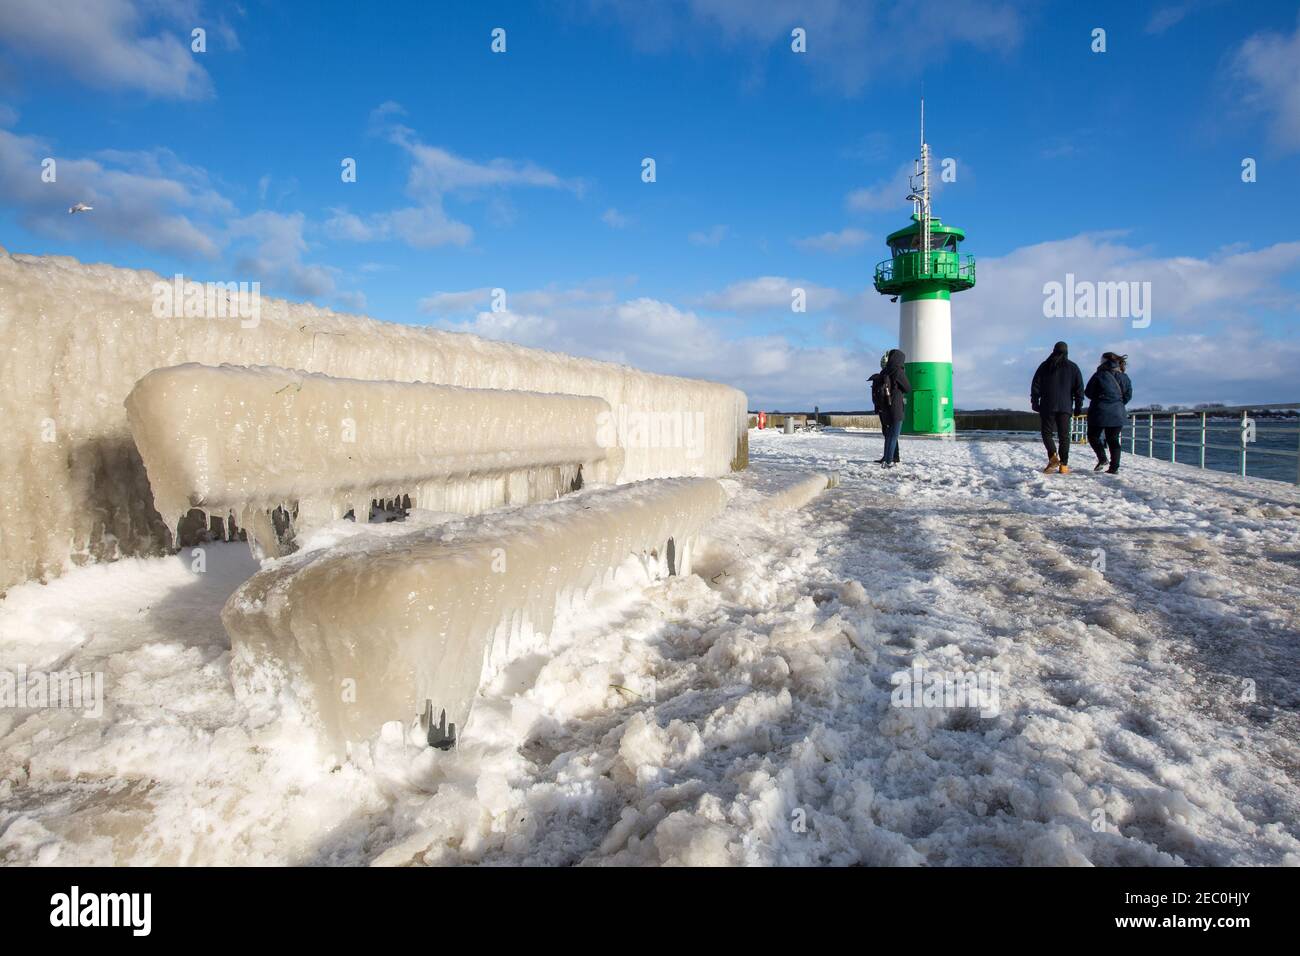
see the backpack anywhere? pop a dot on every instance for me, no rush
(881, 393)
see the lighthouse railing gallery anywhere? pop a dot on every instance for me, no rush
(912, 265)
(1228, 438)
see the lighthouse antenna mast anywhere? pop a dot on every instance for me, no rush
(921, 195)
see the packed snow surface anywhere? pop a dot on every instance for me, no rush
(1143, 631)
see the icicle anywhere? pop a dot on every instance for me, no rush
(100, 336)
(309, 627)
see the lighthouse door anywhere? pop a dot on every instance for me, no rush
(923, 411)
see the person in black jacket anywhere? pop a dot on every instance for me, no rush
(879, 403)
(1108, 391)
(893, 385)
(1056, 391)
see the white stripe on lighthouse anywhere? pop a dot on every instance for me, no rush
(925, 330)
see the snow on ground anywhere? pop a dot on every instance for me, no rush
(745, 714)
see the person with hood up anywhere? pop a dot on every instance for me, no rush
(879, 404)
(1057, 390)
(893, 386)
(1108, 391)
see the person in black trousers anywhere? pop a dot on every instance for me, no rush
(1057, 390)
(1108, 391)
(893, 386)
(880, 404)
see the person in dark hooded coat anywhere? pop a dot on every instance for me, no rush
(1108, 391)
(1057, 390)
(893, 386)
(880, 403)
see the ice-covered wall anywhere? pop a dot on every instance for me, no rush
(367, 631)
(246, 441)
(75, 338)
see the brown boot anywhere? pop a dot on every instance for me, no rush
(1053, 464)
(1064, 470)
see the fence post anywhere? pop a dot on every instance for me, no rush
(1151, 435)
(1133, 434)
(1245, 413)
(1202, 439)
(1173, 437)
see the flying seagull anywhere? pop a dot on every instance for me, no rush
(80, 207)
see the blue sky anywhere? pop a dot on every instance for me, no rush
(522, 171)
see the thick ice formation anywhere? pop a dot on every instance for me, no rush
(246, 441)
(790, 490)
(366, 632)
(75, 338)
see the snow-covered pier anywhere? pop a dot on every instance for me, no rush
(1109, 672)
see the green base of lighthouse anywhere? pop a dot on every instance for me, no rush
(929, 409)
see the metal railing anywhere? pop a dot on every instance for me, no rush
(1148, 429)
(1079, 429)
(940, 264)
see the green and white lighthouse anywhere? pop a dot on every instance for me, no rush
(924, 270)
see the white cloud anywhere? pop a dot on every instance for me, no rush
(380, 115)
(1000, 333)
(708, 237)
(1268, 67)
(436, 173)
(110, 43)
(1169, 15)
(273, 191)
(614, 219)
(422, 227)
(594, 320)
(270, 246)
(885, 195)
(650, 333)
(771, 294)
(1165, 17)
(510, 326)
(850, 42)
(1059, 148)
(352, 301)
(890, 194)
(344, 225)
(450, 304)
(556, 301)
(847, 238)
(148, 198)
(1205, 342)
